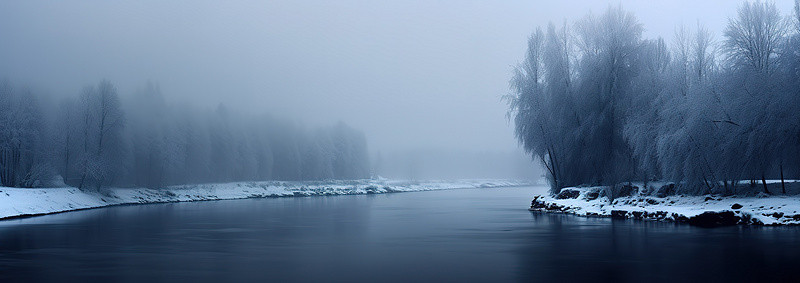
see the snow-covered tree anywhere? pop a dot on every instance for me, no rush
(103, 145)
(753, 38)
(23, 143)
(350, 159)
(641, 125)
(66, 140)
(627, 108)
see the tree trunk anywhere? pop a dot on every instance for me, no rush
(66, 160)
(9, 163)
(764, 182)
(725, 186)
(647, 189)
(783, 185)
(4, 168)
(85, 170)
(708, 186)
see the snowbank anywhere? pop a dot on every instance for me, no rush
(706, 210)
(19, 202)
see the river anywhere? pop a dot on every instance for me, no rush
(471, 235)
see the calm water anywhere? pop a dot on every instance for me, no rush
(480, 235)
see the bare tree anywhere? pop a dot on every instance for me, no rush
(22, 142)
(797, 14)
(681, 50)
(9, 143)
(702, 52)
(66, 140)
(529, 108)
(103, 122)
(754, 36)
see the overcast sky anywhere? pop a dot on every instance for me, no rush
(410, 74)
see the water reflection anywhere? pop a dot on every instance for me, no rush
(482, 235)
(580, 249)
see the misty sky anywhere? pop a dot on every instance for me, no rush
(410, 74)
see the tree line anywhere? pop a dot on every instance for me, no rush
(95, 140)
(598, 104)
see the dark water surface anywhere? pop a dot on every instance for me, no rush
(477, 235)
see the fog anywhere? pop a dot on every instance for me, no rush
(419, 78)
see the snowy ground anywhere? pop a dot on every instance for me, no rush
(706, 210)
(17, 202)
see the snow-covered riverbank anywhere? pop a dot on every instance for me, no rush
(706, 210)
(19, 202)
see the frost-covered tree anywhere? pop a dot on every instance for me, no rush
(350, 159)
(754, 37)
(285, 144)
(66, 140)
(575, 126)
(641, 125)
(23, 159)
(262, 149)
(626, 109)
(797, 15)
(318, 157)
(194, 148)
(90, 143)
(754, 41)
(146, 136)
(609, 46)
(529, 107)
(703, 53)
(8, 144)
(101, 126)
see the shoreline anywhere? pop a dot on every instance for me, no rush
(18, 203)
(704, 211)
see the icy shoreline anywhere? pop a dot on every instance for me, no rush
(705, 210)
(21, 202)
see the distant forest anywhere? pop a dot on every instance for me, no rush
(598, 104)
(95, 140)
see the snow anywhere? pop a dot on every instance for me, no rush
(16, 202)
(759, 209)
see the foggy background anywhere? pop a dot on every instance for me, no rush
(422, 79)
